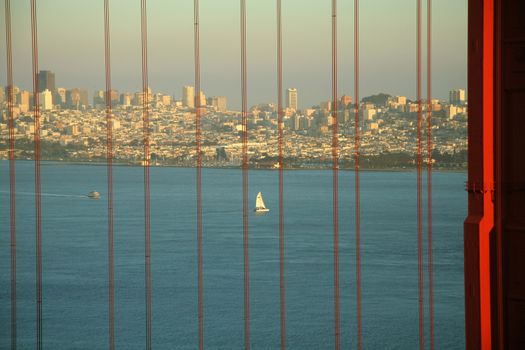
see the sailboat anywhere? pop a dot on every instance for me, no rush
(259, 204)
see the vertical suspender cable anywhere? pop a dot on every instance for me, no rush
(280, 126)
(244, 91)
(38, 184)
(109, 166)
(419, 180)
(335, 178)
(429, 173)
(357, 179)
(145, 125)
(198, 140)
(12, 177)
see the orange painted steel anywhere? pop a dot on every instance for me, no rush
(146, 166)
(419, 160)
(429, 177)
(109, 175)
(245, 210)
(198, 143)
(486, 224)
(357, 189)
(335, 179)
(38, 182)
(280, 127)
(12, 169)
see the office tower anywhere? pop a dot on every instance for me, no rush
(77, 98)
(46, 100)
(84, 99)
(219, 103)
(23, 98)
(188, 96)
(99, 97)
(46, 80)
(125, 99)
(457, 97)
(202, 101)
(2, 96)
(138, 99)
(291, 98)
(60, 97)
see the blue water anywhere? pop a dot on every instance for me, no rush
(75, 259)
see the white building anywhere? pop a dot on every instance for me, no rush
(46, 100)
(188, 96)
(291, 98)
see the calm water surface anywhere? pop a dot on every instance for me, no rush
(75, 259)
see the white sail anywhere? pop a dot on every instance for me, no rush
(259, 204)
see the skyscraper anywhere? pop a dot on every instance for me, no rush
(188, 96)
(60, 97)
(46, 80)
(457, 97)
(76, 98)
(219, 103)
(202, 99)
(291, 98)
(46, 100)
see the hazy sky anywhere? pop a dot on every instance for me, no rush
(71, 44)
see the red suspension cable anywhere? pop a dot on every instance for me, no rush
(419, 181)
(198, 140)
(38, 183)
(429, 174)
(109, 170)
(145, 124)
(357, 180)
(12, 173)
(335, 178)
(245, 211)
(280, 127)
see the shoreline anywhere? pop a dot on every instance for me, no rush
(227, 167)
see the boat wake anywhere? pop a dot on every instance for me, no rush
(44, 194)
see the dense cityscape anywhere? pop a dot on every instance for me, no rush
(73, 129)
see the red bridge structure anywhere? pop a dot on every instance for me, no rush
(494, 231)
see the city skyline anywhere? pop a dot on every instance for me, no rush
(68, 97)
(74, 49)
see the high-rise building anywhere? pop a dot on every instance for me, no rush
(23, 99)
(457, 97)
(46, 100)
(188, 96)
(46, 80)
(60, 97)
(202, 99)
(219, 103)
(291, 98)
(99, 97)
(125, 99)
(76, 98)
